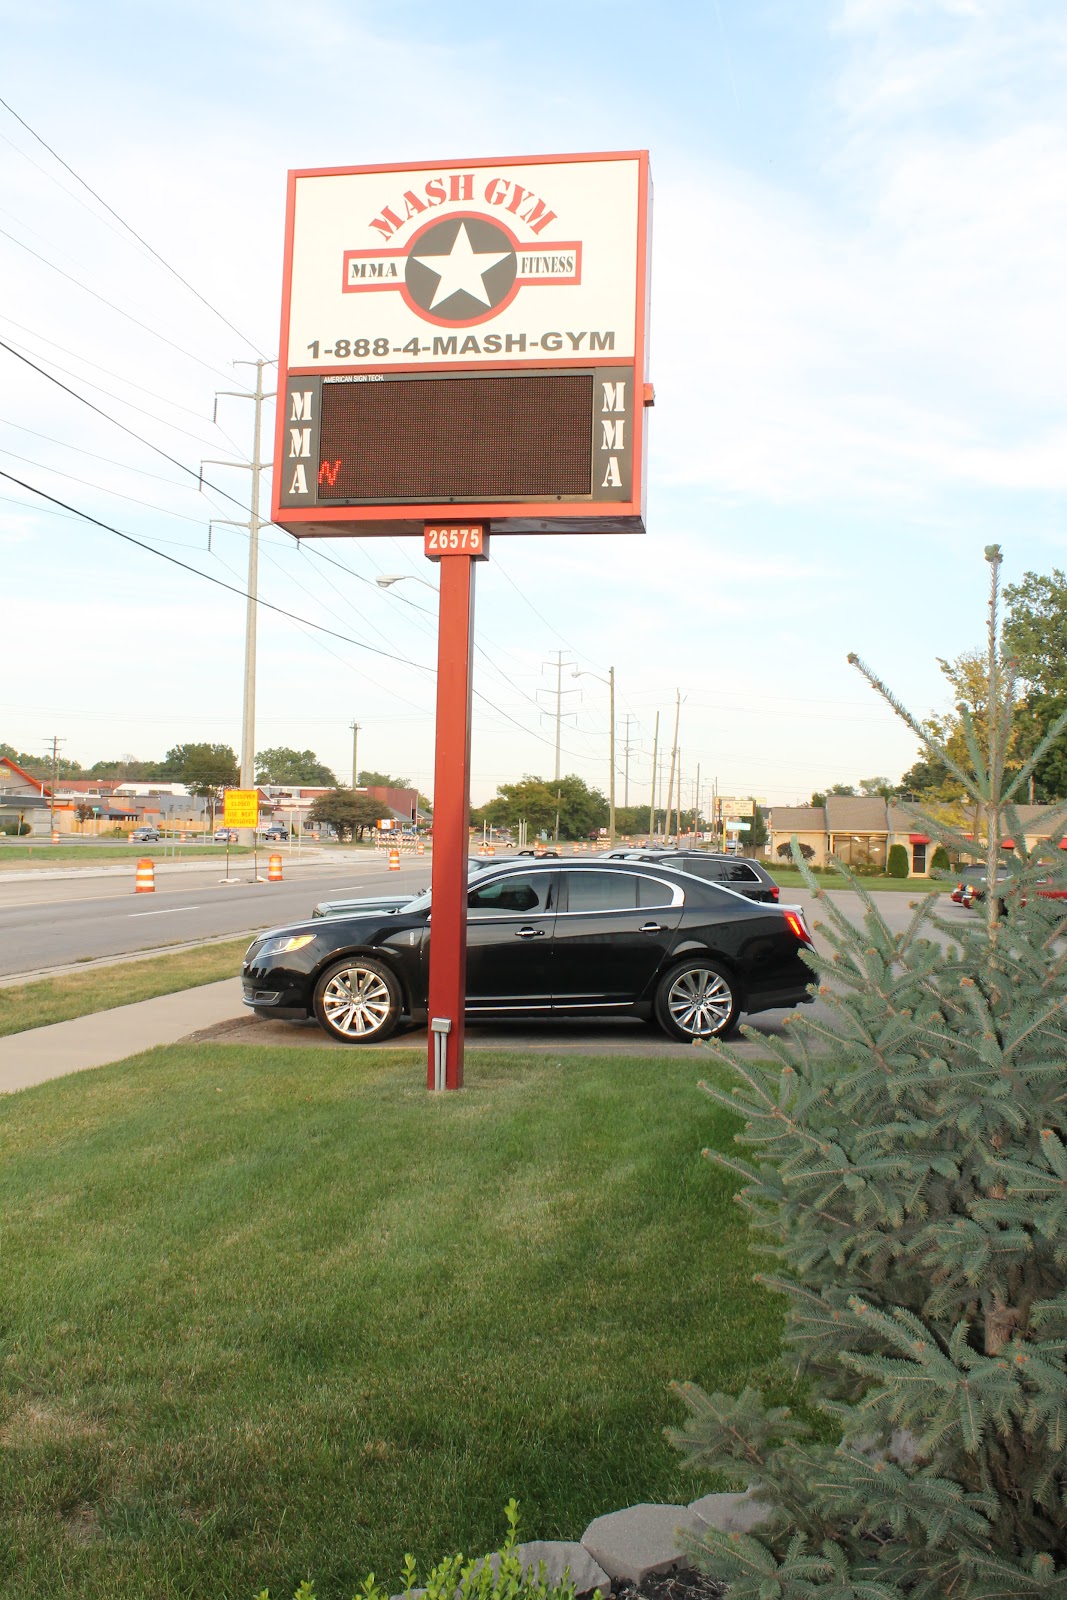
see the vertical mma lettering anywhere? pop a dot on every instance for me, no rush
(301, 411)
(612, 477)
(613, 435)
(614, 397)
(300, 441)
(299, 484)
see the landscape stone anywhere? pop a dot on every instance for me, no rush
(730, 1513)
(634, 1543)
(558, 1554)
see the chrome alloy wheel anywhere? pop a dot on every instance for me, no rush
(700, 1002)
(356, 1002)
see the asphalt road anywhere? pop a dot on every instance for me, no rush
(53, 922)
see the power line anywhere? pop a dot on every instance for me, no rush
(97, 367)
(109, 418)
(292, 616)
(146, 327)
(209, 577)
(129, 229)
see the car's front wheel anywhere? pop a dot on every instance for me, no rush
(358, 1001)
(697, 1000)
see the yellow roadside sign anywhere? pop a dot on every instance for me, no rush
(240, 808)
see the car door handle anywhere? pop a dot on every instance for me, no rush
(529, 933)
(652, 927)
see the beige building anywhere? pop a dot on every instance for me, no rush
(860, 832)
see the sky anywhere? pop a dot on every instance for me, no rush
(858, 344)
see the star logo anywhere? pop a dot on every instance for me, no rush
(463, 269)
(460, 268)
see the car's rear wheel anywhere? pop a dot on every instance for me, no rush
(698, 1000)
(358, 1001)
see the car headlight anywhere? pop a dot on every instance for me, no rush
(284, 944)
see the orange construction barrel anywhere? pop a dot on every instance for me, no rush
(274, 869)
(55, 835)
(145, 882)
(394, 859)
(420, 849)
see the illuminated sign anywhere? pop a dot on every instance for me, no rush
(465, 340)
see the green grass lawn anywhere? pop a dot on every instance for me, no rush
(789, 878)
(76, 994)
(42, 853)
(276, 1313)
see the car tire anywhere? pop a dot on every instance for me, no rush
(357, 1001)
(698, 999)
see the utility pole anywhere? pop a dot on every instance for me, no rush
(696, 806)
(256, 467)
(652, 808)
(559, 665)
(610, 681)
(355, 759)
(674, 757)
(56, 742)
(626, 762)
(678, 803)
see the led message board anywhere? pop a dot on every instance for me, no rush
(465, 341)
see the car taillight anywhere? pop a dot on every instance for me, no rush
(796, 926)
(775, 891)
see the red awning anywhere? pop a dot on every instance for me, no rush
(918, 838)
(1007, 844)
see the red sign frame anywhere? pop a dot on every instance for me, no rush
(531, 516)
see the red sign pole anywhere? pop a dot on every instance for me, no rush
(457, 549)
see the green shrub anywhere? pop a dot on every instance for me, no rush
(897, 866)
(496, 1577)
(939, 861)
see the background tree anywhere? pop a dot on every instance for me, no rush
(819, 797)
(126, 769)
(758, 833)
(909, 1175)
(536, 801)
(1035, 635)
(382, 780)
(40, 766)
(346, 812)
(282, 765)
(203, 768)
(881, 788)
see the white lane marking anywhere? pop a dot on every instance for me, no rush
(172, 912)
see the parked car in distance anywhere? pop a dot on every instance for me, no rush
(225, 835)
(387, 902)
(546, 939)
(742, 873)
(969, 877)
(146, 836)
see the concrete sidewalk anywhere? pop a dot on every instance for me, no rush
(93, 1041)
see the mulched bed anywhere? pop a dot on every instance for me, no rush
(684, 1584)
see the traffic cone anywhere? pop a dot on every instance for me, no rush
(482, 851)
(394, 860)
(55, 835)
(181, 838)
(420, 849)
(146, 877)
(539, 849)
(490, 849)
(274, 869)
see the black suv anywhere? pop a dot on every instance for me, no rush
(740, 873)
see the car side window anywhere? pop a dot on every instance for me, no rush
(654, 892)
(516, 895)
(713, 871)
(737, 872)
(601, 891)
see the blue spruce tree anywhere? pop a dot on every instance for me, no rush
(907, 1171)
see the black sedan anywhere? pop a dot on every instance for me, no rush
(546, 939)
